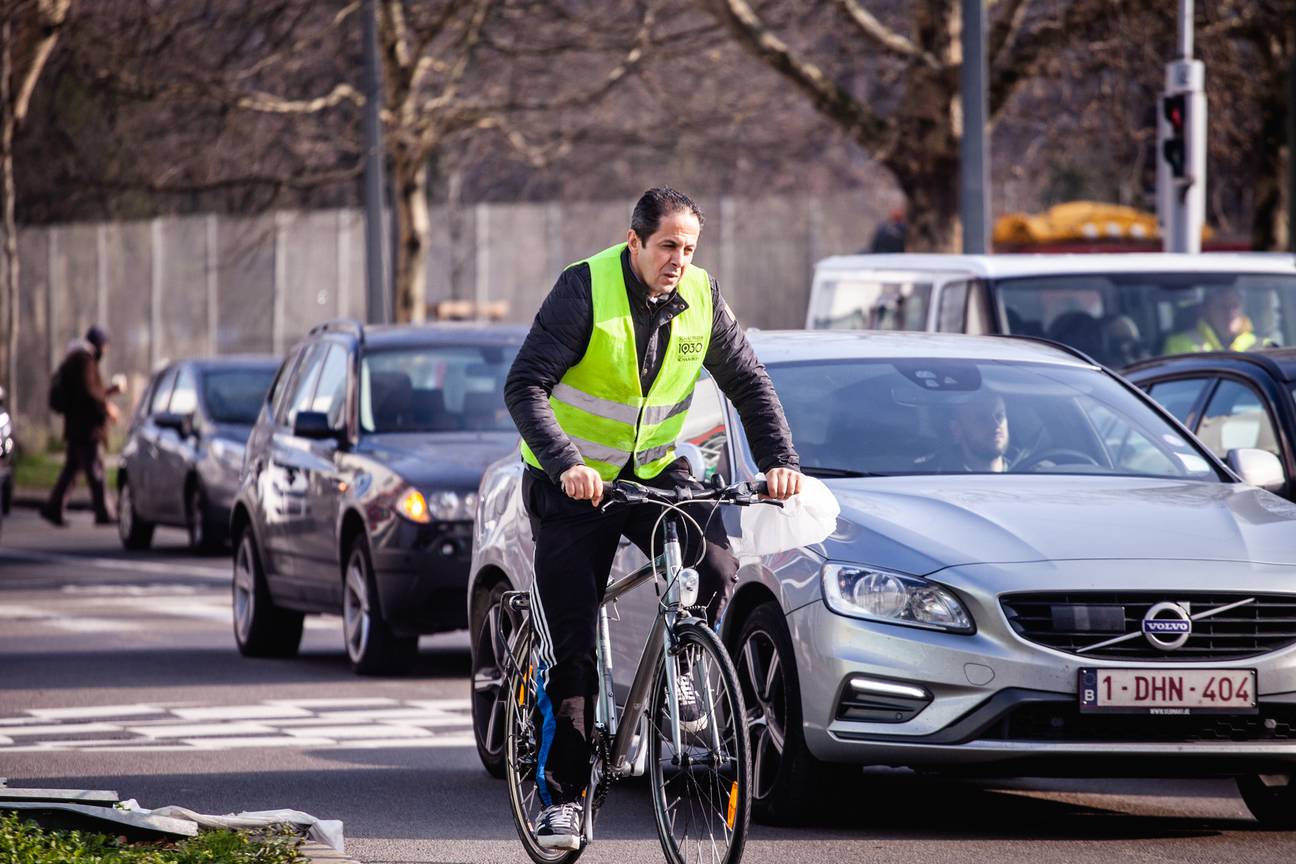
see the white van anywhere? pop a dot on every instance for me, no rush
(1117, 308)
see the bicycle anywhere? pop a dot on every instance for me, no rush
(700, 776)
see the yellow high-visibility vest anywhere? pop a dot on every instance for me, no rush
(600, 402)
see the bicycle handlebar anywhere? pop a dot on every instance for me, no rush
(739, 494)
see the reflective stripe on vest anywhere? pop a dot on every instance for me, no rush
(600, 402)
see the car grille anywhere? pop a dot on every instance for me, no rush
(1072, 621)
(1064, 722)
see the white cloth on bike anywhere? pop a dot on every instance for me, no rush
(805, 519)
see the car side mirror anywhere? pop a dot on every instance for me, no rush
(692, 453)
(1258, 468)
(181, 424)
(314, 425)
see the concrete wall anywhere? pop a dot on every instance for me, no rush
(197, 285)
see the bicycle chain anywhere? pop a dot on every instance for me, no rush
(602, 756)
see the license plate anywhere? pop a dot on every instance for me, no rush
(1165, 691)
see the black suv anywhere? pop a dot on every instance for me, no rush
(359, 486)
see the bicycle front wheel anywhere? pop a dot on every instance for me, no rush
(522, 729)
(702, 789)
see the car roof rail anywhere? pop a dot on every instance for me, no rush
(340, 325)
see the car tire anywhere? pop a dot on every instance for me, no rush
(261, 629)
(372, 647)
(787, 781)
(204, 533)
(1273, 806)
(490, 633)
(135, 533)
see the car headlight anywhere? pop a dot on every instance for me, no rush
(227, 453)
(413, 506)
(893, 598)
(444, 506)
(453, 506)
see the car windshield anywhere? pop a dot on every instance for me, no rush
(436, 388)
(1120, 318)
(920, 416)
(236, 395)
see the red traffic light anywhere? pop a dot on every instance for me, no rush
(1175, 109)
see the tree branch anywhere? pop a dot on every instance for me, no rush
(268, 103)
(1006, 27)
(885, 37)
(1029, 54)
(835, 103)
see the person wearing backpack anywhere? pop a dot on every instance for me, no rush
(79, 394)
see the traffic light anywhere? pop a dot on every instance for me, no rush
(1174, 148)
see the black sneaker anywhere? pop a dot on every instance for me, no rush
(692, 707)
(559, 827)
(52, 516)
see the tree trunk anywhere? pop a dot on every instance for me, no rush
(409, 176)
(8, 121)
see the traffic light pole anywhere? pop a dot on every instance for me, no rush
(377, 297)
(1181, 145)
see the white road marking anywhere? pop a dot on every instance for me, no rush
(238, 743)
(241, 712)
(95, 711)
(80, 561)
(333, 703)
(200, 730)
(94, 625)
(277, 723)
(63, 729)
(377, 730)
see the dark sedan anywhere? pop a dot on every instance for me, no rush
(184, 449)
(1231, 400)
(360, 486)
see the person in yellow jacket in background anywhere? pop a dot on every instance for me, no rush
(599, 392)
(1221, 326)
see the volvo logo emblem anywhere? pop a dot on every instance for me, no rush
(1167, 626)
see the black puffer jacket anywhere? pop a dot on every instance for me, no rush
(561, 332)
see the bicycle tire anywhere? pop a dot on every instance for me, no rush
(521, 748)
(710, 795)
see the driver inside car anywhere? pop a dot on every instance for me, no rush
(977, 439)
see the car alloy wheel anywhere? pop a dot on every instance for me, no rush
(244, 590)
(489, 697)
(197, 519)
(355, 609)
(760, 671)
(125, 513)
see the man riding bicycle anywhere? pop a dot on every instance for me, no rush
(599, 392)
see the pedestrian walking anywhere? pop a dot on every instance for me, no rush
(78, 392)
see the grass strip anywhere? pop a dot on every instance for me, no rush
(25, 842)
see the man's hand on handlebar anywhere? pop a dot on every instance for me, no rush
(782, 483)
(583, 483)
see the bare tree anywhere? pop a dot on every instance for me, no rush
(456, 69)
(912, 124)
(29, 31)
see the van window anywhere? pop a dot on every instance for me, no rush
(864, 304)
(1118, 318)
(953, 307)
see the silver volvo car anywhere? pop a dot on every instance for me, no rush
(1036, 571)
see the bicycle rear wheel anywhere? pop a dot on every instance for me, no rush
(522, 726)
(702, 791)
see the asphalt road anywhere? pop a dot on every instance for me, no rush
(118, 671)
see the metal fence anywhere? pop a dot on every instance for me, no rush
(191, 286)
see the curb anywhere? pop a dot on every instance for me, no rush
(319, 853)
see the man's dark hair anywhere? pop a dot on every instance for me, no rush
(656, 204)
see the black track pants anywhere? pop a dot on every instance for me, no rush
(575, 546)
